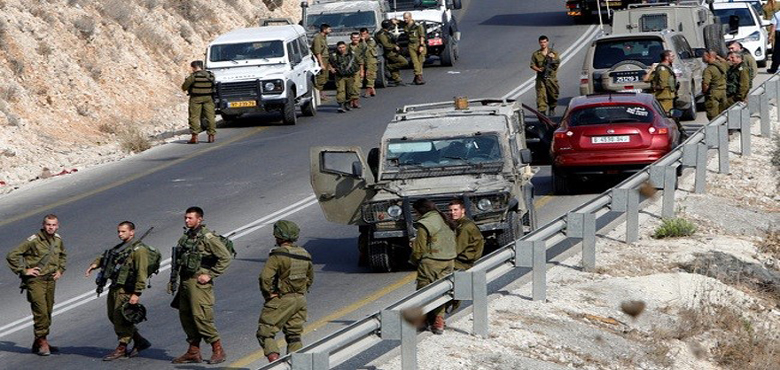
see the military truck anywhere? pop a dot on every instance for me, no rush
(345, 17)
(582, 10)
(441, 26)
(439, 151)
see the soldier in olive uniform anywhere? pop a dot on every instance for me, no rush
(663, 83)
(416, 33)
(394, 61)
(370, 61)
(128, 274)
(284, 282)
(200, 87)
(469, 241)
(737, 79)
(750, 62)
(40, 261)
(713, 84)
(545, 62)
(344, 65)
(319, 47)
(358, 49)
(433, 252)
(202, 257)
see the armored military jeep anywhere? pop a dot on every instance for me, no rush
(476, 154)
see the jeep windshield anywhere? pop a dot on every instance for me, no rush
(608, 114)
(246, 51)
(646, 50)
(398, 5)
(342, 21)
(745, 18)
(457, 155)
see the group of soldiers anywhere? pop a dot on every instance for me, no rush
(200, 256)
(356, 63)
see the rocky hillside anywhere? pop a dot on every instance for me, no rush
(88, 81)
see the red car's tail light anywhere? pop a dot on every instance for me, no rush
(562, 135)
(658, 131)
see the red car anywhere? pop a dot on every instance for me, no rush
(605, 134)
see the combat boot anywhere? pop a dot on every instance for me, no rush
(139, 344)
(372, 91)
(342, 108)
(212, 138)
(438, 326)
(418, 80)
(191, 357)
(217, 353)
(193, 139)
(119, 352)
(41, 347)
(356, 104)
(52, 349)
(272, 357)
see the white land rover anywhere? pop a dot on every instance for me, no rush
(263, 69)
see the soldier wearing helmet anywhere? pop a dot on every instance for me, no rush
(284, 282)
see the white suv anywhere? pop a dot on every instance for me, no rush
(263, 69)
(752, 27)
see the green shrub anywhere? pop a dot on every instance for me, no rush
(674, 228)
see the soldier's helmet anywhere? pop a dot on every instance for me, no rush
(286, 230)
(387, 24)
(134, 313)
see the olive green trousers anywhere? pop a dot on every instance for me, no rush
(196, 311)
(124, 329)
(40, 294)
(286, 313)
(428, 271)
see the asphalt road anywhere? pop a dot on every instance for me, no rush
(256, 173)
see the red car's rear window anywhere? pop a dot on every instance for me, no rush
(606, 114)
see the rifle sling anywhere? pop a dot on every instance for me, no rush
(294, 256)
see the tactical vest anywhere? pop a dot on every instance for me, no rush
(345, 65)
(203, 84)
(190, 256)
(732, 79)
(119, 269)
(441, 239)
(386, 40)
(659, 91)
(298, 279)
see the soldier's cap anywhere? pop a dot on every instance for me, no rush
(134, 313)
(286, 230)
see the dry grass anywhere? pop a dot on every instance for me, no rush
(44, 49)
(674, 228)
(10, 93)
(770, 244)
(108, 128)
(132, 140)
(85, 25)
(17, 66)
(120, 11)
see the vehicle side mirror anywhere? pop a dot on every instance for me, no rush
(733, 24)
(685, 55)
(525, 156)
(357, 169)
(675, 113)
(699, 52)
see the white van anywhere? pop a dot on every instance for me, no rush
(263, 69)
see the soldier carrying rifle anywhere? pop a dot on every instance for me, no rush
(545, 62)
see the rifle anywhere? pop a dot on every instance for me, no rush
(107, 267)
(173, 283)
(548, 63)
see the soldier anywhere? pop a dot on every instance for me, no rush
(319, 47)
(40, 261)
(664, 85)
(284, 282)
(545, 62)
(370, 61)
(750, 62)
(393, 60)
(713, 84)
(202, 257)
(737, 79)
(358, 49)
(469, 241)
(200, 87)
(416, 33)
(433, 252)
(128, 273)
(344, 65)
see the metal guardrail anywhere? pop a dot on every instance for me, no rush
(578, 225)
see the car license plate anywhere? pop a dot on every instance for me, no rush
(435, 42)
(626, 79)
(609, 139)
(242, 104)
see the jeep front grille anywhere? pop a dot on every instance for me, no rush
(242, 89)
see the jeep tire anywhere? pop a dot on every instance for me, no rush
(450, 53)
(381, 70)
(289, 116)
(379, 256)
(309, 108)
(713, 39)
(513, 231)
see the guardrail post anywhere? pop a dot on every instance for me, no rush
(395, 328)
(776, 85)
(711, 136)
(583, 226)
(310, 361)
(670, 182)
(753, 104)
(627, 200)
(539, 271)
(723, 149)
(734, 118)
(766, 126)
(472, 286)
(701, 168)
(744, 129)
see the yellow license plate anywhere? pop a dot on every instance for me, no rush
(242, 104)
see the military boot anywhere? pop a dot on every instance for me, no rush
(193, 139)
(371, 91)
(212, 138)
(438, 326)
(342, 108)
(41, 347)
(272, 357)
(217, 353)
(119, 352)
(52, 349)
(356, 104)
(191, 357)
(418, 80)
(139, 344)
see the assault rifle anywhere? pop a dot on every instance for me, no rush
(173, 283)
(108, 267)
(549, 63)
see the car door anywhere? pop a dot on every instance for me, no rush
(297, 74)
(687, 57)
(309, 64)
(341, 182)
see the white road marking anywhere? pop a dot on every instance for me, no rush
(253, 226)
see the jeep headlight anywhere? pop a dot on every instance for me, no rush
(394, 212)
(273, 87)
(382, 211)
(485, 204)
(755, 36)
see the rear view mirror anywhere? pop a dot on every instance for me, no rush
(675, 113)
(357, 169)
(525, 156)
(699, 52)
(733, 24)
